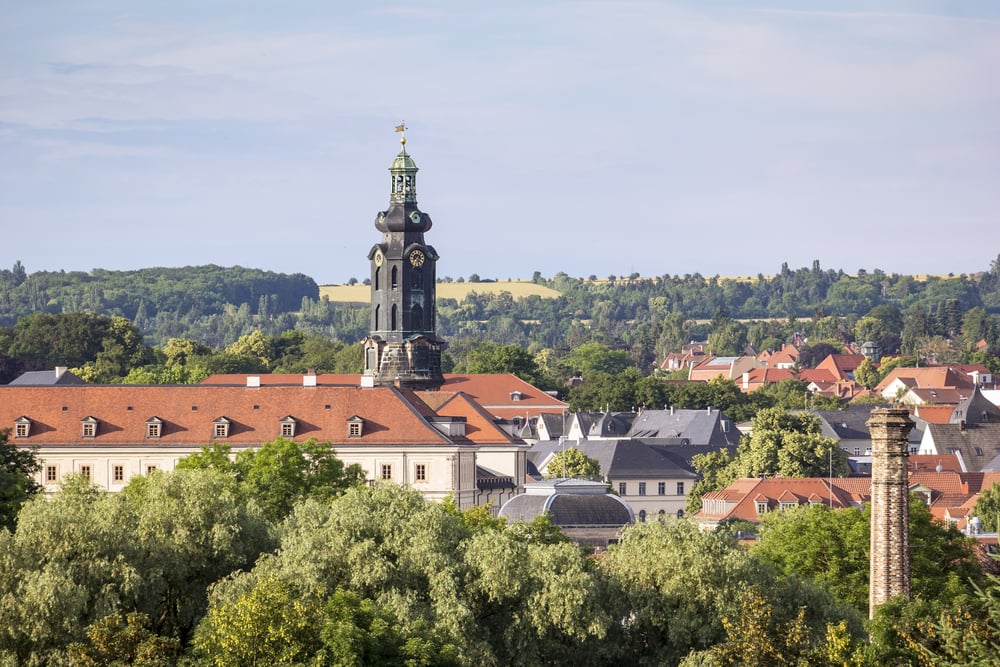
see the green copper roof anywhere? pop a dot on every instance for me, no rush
(403, 162)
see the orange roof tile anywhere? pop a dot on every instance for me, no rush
(503, 395)
(188, 414)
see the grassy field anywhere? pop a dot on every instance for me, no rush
(518, 288)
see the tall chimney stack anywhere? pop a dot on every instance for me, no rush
(890, 535)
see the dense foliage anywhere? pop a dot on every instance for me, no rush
(191, 567)
(17, 478)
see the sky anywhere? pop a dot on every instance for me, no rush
(591, 138)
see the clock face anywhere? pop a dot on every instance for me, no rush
(417, 258)
(415, 217)
(378, 258)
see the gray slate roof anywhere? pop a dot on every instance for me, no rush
(700, 427)
(626, 458)
(978, 444)
(976, 409)
(849, 423)
(45, 378)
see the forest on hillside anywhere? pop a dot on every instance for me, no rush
(145, 325)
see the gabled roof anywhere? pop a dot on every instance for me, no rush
(740, 499)
(938, 395)
(620, 459)
(934, 414)
(842, 366)
(850, 423)
(699, 427)
(59, 376)
(611, 425)
(976, 409)
(978, 444)
(189, 412)
(553, 423)
(928, 376)
(480, 427)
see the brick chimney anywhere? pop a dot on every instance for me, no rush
(890, 535)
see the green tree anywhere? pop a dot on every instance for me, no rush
(831, 547)
(790, 445)
(493, 358)
(280, 472)
(571, 462)
(124, 640)
(468, 591)
(866, 374)
(595, 357)
(988, 508)
(153, 549)
(728, 338)
(17, 479)
(669, 617)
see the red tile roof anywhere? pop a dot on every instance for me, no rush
(503, 395)
(189, 412)
(948, 490)
(935, 414)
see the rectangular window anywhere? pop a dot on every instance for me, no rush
(89, 429)
(150, 469)
(21, 431)
(85, 471)
(386, 471)
(354, 430)
(680, 488)
(220, 430)
(420, 472)
(152, 430)
(118, 473)
(287, 430)
(642, 488)
(661, 488)
(50, 474)
(622, 489)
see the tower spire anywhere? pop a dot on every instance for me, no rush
(402, 347)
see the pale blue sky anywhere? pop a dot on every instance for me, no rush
(585, 137)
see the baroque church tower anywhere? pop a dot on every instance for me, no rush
(402, 347)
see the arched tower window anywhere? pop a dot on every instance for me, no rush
(378, 316)
(417, 315)
(393, 325)
(378, 278)
(395, 277)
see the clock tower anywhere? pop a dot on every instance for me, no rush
(402, 347)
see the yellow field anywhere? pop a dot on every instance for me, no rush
(518, 289)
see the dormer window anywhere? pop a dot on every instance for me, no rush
(89, 427)
(154, 427)
(761, 506)
(355, 426)
(516, 395)
(22, 427)
(220, 428)
(288, 427)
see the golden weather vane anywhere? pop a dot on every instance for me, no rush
(401, 128)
